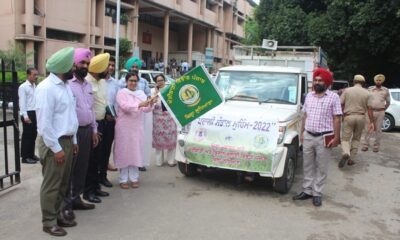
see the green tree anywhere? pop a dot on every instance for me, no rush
(15, 52)
(252, 35)
(125, 51)
(359, 36)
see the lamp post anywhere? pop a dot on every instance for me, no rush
(117, 40)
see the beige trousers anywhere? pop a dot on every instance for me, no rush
(315, 164)
(353, 126)
(55, 180)
(377, 134)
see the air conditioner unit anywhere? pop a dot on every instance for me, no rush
(269, 44)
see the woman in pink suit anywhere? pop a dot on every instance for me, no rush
(129, 132)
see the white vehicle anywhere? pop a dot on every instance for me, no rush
(149, 75)
(254, 131)
(392, 114)
(307, 58)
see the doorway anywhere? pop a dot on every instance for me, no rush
(146, 57)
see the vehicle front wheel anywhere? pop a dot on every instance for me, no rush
(188, 169)
(284, 183)
(388, 123)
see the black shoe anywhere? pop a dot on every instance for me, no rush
(36, 158)
(317, 201)
(68, 214)
(66, 223)
(142, 169)
(55, 230)
(91, 197)
(302, 196)
(104, 181)
(81, 205)
(100, 193)
(28, 161)
(344, 159)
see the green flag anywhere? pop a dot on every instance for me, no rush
(191, 96)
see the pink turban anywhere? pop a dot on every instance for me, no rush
(325, 75)
(81, 54)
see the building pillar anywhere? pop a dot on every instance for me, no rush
(30, 53)
(93, 23)
(135, 25)
(209, 33)
(41, 64)
(166, 40)
(190, 43)
(29, 10)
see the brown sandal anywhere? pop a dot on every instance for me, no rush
(135, 184)
(124, 185)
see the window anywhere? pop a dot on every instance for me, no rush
(63, 35)
(268, 87)
(109, 41)
(111, 11)
(395, 95)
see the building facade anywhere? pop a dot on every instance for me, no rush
(158, 29)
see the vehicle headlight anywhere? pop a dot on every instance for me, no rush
(281, 136)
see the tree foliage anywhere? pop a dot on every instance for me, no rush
(125, 51)
(359, 36)
(15, 53)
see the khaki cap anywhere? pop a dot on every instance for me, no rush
(379, 77)
(359, 78)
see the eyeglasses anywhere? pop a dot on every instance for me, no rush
(132, 80)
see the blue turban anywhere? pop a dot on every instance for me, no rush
(131, 61)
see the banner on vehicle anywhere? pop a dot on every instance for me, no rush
(191, 96)
(233, 141)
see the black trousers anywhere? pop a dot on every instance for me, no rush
(79, 166)
(29, 134)
(108, 138)
(92, 176)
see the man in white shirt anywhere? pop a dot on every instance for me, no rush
(26, 94)
(57, 124)
(185, 67)
(108, 134)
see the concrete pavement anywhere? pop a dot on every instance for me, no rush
(360, 202)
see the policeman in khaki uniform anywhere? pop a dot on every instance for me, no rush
(379, 102)
(354, 102)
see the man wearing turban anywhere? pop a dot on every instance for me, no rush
(322, 115)
(87, 131)
(57, 126)
(98, 70)
(133, 65)
(379, 102)
(354, 102)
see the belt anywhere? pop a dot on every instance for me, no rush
(66, 137)
(378, 109)
(84, 126)
(348, 114)
(318, 134)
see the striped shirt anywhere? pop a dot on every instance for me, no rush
(321, 111)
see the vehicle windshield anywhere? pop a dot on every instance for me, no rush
(337, 85)
(258, 86)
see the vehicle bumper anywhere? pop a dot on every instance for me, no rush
(278, 162)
